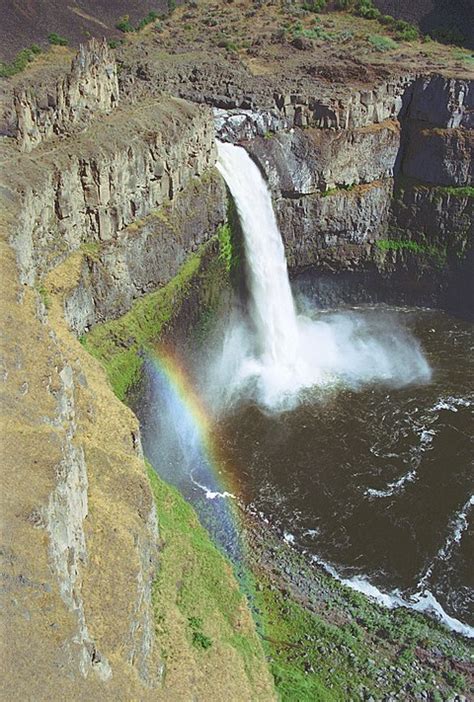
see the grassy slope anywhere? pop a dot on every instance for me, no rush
(327, 642)
(199, 608)
(117, 343)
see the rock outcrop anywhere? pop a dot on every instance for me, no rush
(335, 232)
(439, 156)
(98, 209)
(89, 88)
(333, 187)
(79, 532)
(302, 162)
(127, 166)
(145, 255)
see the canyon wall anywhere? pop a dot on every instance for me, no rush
(102, 203)
(90, 87)
(111, 208)
(388, 197)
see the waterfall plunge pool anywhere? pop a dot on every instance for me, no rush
(347, 429)
(374, 483)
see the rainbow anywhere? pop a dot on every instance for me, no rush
(168, 365)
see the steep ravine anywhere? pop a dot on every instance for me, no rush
(111, 228)
(91, 605)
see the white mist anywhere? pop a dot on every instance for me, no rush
(281, 353)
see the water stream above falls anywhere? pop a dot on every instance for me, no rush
(348, 429)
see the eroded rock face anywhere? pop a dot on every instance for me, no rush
(89, 88)
(423, 213)
(84, 535)
(439, 156)
(142, 258)
(334, 232)
(302, 162)
(429, 143)
(116, 174)
(79, 533)
(443, 102)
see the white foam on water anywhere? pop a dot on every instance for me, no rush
(451, 404)
(276, 353)
(210, 494)
(457, 526)
(394, 487)
(426, 437)
(422, 601)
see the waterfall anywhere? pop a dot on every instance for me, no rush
(271, 302)
(281, 352)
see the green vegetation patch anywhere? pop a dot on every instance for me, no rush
(124, 25)
(332, 643)
(226, 248)
(456, 191)
(196, 578)
(435, 252)
(338, 189)
(45, 296)
(117, 343)
(381, 43)
(57, 40)
(20, 62)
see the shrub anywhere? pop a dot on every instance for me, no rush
(171, 6)
(387, 20)
(199, 639)
(20, 62)
(315, 5)
(150, 17)
(382, 43)
(124, 24)
(370, 13)
(365, 8)
(406, 31)
(57, 39)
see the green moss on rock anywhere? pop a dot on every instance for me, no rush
(116, 344)
(436, 252)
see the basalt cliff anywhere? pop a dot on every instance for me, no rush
(112, 219)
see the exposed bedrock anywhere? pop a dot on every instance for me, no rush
(146, 254)
(114, 174)
(335, 231)
(439, 156)
(443, 102)
(94, 219)
(79, 532)
(301, 162)
(436, 100)
(434, 215)
(90, 87)
(333, 188)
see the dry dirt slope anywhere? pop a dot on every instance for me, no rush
(24, 22)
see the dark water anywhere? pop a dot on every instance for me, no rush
(376, 482)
